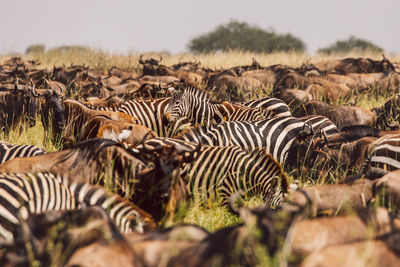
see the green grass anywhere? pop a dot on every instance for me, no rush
(24, 135)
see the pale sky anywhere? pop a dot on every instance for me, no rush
(140, 26)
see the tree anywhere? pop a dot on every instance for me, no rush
(352, 44)
(242, 36)
(36, 48)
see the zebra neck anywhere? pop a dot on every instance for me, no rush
(204, 114)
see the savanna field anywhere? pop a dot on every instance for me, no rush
(327, 197)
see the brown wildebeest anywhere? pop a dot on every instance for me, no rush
(342, 158)
(267, 77)
(317, 87)
(150, 66)
(362, 253)
(315, 234)
(77, 114)
(342, 116)
(96, 102)
(17, 107)
(355, 65)
(101, 126)
(237, 88)
(333, 198)
(389, 113)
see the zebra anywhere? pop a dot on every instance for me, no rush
(9, 151)
(220, 171)
(24, 194)
(383, 156)
(197, 106)
(150, 113)
(320, 124)
(276, 135)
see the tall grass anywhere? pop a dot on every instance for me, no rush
(99, 59)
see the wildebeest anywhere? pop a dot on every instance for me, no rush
(101, 126)
(17, 107)
(354, 65)
(340, 115)
(77, 114)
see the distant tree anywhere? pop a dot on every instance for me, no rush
(242, 36)
(36, 48)
(71, 48)
(350, 45)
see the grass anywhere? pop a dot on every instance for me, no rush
(99, 59)
(211, 216)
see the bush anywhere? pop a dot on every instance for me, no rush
(242, 36)
(36, 48)
(352, 44)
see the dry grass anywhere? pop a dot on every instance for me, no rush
(99, 59)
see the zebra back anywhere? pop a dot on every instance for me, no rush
(23, 194)
(270, 104)
(236, 112)
(320, 124)
(9, 151)
(383, 156)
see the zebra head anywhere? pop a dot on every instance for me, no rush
(178, 106)
(193, 103)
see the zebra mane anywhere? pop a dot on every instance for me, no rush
(202, 94)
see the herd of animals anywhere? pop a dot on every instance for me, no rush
(133, 145)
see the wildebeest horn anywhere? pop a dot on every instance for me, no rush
(141, 60)
(160, 59)
(34, 93)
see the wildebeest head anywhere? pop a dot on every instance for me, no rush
(31, 105)
(52, 112)
(150, 66)
(162, 187)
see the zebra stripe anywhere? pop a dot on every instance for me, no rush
(236, 112)
(9, 151)
(277, 106)
(320, 124)
(220, 171)
(23, 194)
(275, 135)
(383, 156)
